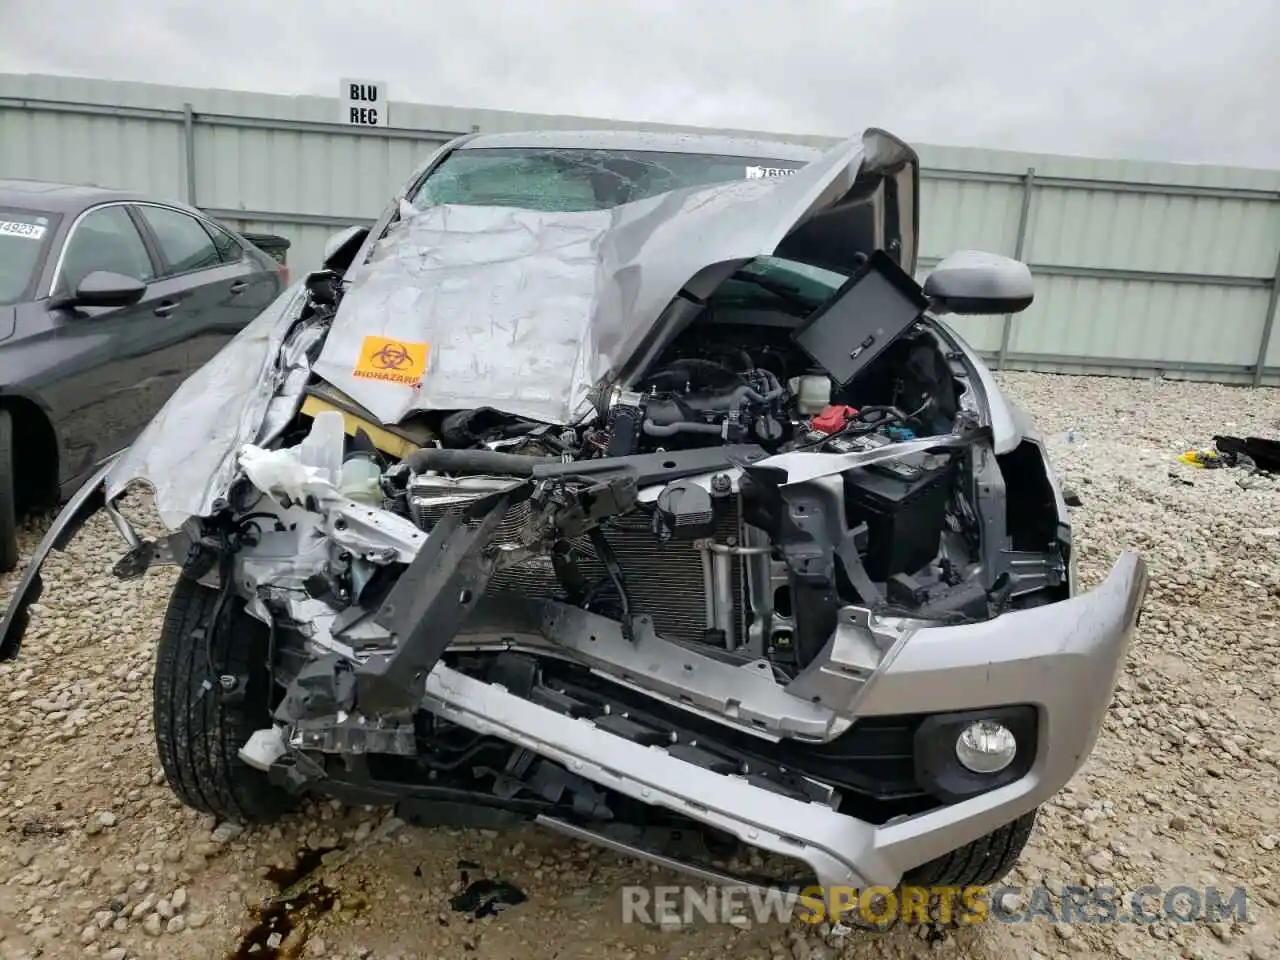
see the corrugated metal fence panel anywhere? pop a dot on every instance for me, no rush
(1174, 323)
(1097, 169)
(306, 173)
(105, 151)
(1158, 266)
(1273, 353)
(957, 215)
(1169, 234)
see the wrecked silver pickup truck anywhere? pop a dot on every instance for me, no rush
(630, 484)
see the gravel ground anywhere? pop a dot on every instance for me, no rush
(97, 858)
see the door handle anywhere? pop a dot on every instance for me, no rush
(239, 287)
(166, 307)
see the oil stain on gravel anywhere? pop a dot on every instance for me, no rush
(485, 897)
(277, 917)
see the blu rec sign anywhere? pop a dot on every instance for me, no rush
(363, 103)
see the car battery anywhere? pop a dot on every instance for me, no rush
(904, 504)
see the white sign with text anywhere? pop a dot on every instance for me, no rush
(364, 103)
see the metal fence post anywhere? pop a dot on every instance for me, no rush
(1268, 324)
(1028, 187)
(189, 146)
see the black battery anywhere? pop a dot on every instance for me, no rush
(904, 505)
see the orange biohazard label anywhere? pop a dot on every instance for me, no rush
(393, 361)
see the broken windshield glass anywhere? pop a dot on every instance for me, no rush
(576, 180)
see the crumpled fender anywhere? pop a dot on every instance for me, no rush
(87, 501)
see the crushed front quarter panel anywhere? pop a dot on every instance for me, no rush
(187, 452)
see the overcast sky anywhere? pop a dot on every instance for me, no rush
(1157, 79)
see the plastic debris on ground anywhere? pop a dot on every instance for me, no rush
(1258, 458)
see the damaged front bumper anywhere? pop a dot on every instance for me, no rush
(1061, 660)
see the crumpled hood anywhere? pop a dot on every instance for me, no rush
(513, 309)
(525, 311)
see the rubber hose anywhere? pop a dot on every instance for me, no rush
(493, 462)
(671, 429)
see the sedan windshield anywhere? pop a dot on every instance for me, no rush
(574, 180)
(24, 237)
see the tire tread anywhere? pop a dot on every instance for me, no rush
(9, 555)
(985, 861)
(198, 737)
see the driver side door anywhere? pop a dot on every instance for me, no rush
(112, 367)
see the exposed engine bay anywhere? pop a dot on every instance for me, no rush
(722, 512)
(667, 506)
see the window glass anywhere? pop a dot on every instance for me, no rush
(107, 240)
(183, 241)
(579, 179)
(25, 236)
(229, 249)
(772, 278)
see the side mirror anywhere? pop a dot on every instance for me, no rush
(102, 288)
(974, 283)
(341, 248)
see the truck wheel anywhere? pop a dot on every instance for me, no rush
(8, 500)
(981, 863)
(199, 731)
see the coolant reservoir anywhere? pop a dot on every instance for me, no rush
(812, 393)
(360, 476)
(324, 445)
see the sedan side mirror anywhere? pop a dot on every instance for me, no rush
(341, 248)
(102, 288)
(973, 283)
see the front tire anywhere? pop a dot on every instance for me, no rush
(984, 862)
(8, 497)
(199, 731)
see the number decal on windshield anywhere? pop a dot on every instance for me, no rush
(13, 228)
(762, 173)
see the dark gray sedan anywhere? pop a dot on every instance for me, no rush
(108, 300)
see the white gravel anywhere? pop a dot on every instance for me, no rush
(97, 859)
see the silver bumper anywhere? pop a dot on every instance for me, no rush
(1062, 658)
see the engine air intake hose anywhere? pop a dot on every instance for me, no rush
(492, 462)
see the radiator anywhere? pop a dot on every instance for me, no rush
(664, 581)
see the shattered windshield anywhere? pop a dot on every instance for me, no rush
(574, 180)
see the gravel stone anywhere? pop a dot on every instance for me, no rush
(226, 832)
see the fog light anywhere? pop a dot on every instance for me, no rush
(986, 747)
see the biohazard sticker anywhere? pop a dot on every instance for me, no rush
(14, 228)
(392, 361)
